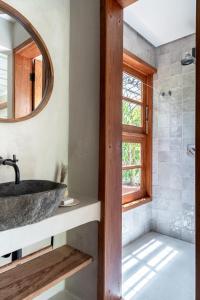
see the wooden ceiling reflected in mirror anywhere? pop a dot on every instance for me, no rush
(26, 71)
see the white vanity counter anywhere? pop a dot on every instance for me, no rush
(64, 219)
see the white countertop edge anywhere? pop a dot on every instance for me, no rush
(64, 220)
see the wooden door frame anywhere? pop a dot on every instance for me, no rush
(27, 44)
(110, 189)
(109, 279)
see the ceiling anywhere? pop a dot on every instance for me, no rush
(162, 21)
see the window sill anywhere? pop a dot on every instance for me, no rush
(134, 204)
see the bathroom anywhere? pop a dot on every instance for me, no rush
(172, 210)
(61, 140)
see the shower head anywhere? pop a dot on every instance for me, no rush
(189, 58)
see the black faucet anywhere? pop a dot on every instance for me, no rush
(12, 163)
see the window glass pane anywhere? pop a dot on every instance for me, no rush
(131, 181)
(131, 154)
(132, 87)
(3, 77)
(131, 114)
(3, 84)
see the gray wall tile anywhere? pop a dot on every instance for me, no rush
(173, 202)
(172, 209)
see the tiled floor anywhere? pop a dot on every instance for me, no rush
(157, 267)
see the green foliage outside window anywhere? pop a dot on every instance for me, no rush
(131, 177)
(131, 156)
(131, 114)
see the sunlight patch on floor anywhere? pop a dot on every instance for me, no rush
(147, 262)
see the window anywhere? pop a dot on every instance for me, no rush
(137, 130)
(3, 85)
(3, 77)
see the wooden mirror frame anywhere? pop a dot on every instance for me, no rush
(49, 73)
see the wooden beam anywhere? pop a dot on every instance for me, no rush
(131, 60)
(32, 278)
(110, 187)
(198, 151)
(125, 3)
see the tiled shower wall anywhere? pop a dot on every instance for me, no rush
(172, 209)
(174, 129)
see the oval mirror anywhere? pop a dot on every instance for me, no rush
(26, 72)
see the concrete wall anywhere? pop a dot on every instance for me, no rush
(42, 142)
(135, 43)
(19, 35)
(47, 133)
(84, 97)
(84, 131)
(174, 128)
(138, 221)
(6, 40)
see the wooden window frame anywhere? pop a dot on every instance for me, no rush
(143, 71)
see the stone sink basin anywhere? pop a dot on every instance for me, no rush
(29, 202)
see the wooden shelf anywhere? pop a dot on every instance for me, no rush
(35, 277)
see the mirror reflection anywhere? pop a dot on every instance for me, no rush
(21, 70)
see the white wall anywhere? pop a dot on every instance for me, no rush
(42, 142)
(19, 35)
(6, 34)
(84, 131)
(84, 97)
(138, 45)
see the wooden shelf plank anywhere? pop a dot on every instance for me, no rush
(35, 277)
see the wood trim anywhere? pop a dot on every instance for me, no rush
(197, 175)
(131, 59)
(28, 50)
(130, 132)
(128, 129)
(135, 204)
(25, 259)
(34, 277)
(149, 136)
(3, 105)
(49, 73)
(133, 101)
(132, 167)
(142, 192)
(128, 68)
(136, 135)
(110, 189)
(22, 45)
(125, 3)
